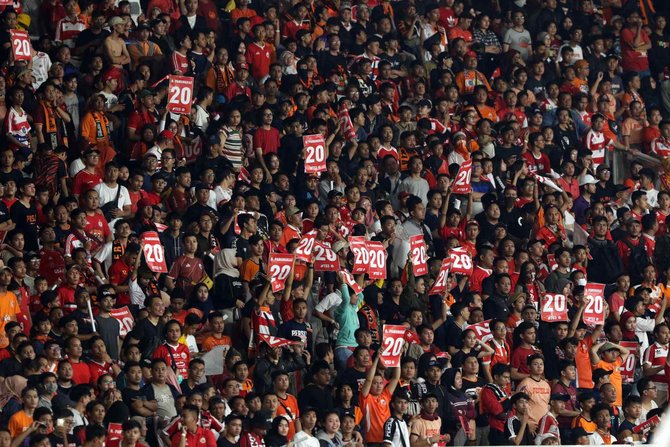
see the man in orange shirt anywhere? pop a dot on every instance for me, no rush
(374, 401)
(582, 357)
(217, 338)
(293, 228)
(611, 357)
(9, 305)
(470, 77)
(288, 404)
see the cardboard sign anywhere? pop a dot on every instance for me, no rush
(325, 259)
(594, 313)
(377, 255)
(554, 308)
(279, 267)
(440, 284)
(482, 331)
(303, 252)
(418, 255)
(21, 45)
(361, 259)
(154, 253)
(394, 341)
(275, 342)
(114, 431)
(462, 183)
(351, 281)
(125, 318)
(346, 126)
(180, 95)
(411, 337)
(315, 153)
(461, 261)
(628, 368)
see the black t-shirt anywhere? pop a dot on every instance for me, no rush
(512, 428)
(150, 336)
(129, 395)
(223, 442)
(25, 218)
(57, 441)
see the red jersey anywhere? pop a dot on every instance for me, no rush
(596, 142)
(179, 63)
(267, 139)
(119, 273)
(478, 276)
(656, 355)
(259, 59)
(99, 369)
(176, 357)
(661, 147)
(66, 298)
(52, 265)
(81, 372)
(97, 226)
(84, 181)
(520, 358)
(536, 165)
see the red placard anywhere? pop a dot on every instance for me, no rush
(412, 337)
(21, 45)
(275, 342)
(461, 261)
(315, 153)
(361, 257)
(351, 281)
(554, 308)
(125, 318)
(647, 425)
(482, 330)
(417, 250)
(279, 267)
(303, 252)
(594, 313)
(440, 284)
(180, 94)
(154, 254)
(377, 254)
(394, 341)
(462, 183)
(325, 259)
(628, 368)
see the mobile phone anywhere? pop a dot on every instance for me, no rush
(60, 422)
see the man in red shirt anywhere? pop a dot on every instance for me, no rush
(119, 273)
(635, 43)
(258, 427)
(266, 139)
(142, 116)
(193, 435)
(260, 54)
(491, 402)
(88, 177)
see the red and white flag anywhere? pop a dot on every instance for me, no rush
(346, 126)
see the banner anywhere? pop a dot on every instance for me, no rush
(628, 368)
(418, 255)
(394, 341)
(461, 261)
(647, 425)
(275, 342)
(125, 319)
(315, 153)
(21, 45)
(554, 308)
(440, 284)
(482, 331)
(351, 281)
(279, 267)
(361, 259)
(462, 183)
(325, 259)
(154, 253)
(180, 95)
(303, 252)
(346, 126)
(594, 313)
(377, 254)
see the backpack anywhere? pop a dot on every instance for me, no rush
(638, 260)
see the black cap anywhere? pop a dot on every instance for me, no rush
(261, 420)
(599, 374)
(518, 396)
(578, 433)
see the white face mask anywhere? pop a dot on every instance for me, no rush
(581, 282)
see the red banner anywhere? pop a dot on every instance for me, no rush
(154, 254)
(377, 254)
(482, 330)
(461, 261)
(647, 425)
(275, 342)
(594, 313)
(628, 368)
(462, 183)
(351, 281)
(325, 259)
(394, 341)
(280, 266)
(315, 153)
(551, 260)
(346, 126)
(21, 45)
(180, 95)
(554, 308)
(361, 258)
(303, 251)
(412, 337)
(125, 318)
(418, 255)
(440, 284)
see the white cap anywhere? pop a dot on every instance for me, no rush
(587, 179)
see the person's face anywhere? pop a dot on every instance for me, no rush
(529, 336)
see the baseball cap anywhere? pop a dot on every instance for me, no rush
(116, 20)
(166, 135)
(291, 211)
(587, 179)
(599, 373)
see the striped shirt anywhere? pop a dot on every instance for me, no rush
(232, 148)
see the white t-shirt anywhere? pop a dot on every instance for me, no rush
(108, 194)
(41, 66)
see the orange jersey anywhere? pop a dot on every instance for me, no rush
(376, 410)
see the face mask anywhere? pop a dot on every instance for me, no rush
(581, 282)
(51, 387)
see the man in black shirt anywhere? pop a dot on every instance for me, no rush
(317, 394)
(516, 427)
